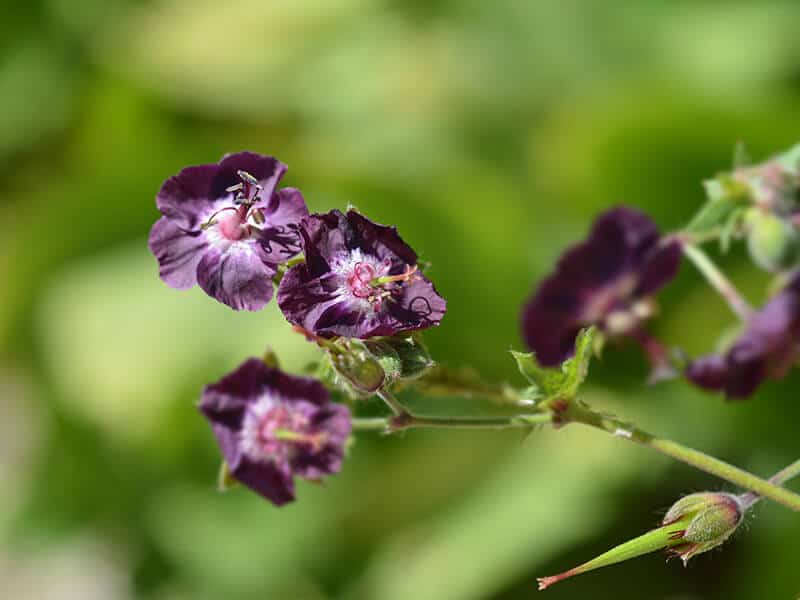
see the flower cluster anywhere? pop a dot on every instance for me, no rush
(354, 287)
(227, 227)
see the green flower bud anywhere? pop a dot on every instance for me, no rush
(695, 524)
(773, 242)
(359, 369)
(713, 518)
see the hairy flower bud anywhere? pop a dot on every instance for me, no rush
(714, 517)
(695, 524)
(359, 369)
(773, 243)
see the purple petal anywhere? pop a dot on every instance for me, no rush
(323, 239)
(295, 388)
(376, 239)
(660, 267)
(619, 262)
(234, 391)
(238, 277)
(287, 207)
(334, 233)
(418, 307)
(766, 349)
(186, 198)
(272, 482)
(281, 239)
(178, 252)
(302, 298)
(722, 373)
(268, 170)
(638, 231)
(345, 318)
(709, 372)
(551, 322)
(333, 420)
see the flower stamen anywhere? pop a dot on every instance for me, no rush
(408, 275)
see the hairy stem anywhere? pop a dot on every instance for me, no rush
(718, 281)
(392, 402)
(749, 499)
(575, 412)
(714, 466)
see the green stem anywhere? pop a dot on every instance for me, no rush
(718, 281)
(392, 402)
(282, 268)
(370, 424)
(575, 412)
(442, 381)
(793, 470)
(408, 421)
(739, 477)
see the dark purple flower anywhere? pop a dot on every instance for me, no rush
(766, 350)
(272, 426)
(606, 281)
(359, 280)
(225, 227)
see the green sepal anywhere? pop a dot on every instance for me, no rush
(362, 373)
(555, 382)
(225, 479)
(773, 243)
(271, 359)
(722, 212)
(402, 357)
(389, 359)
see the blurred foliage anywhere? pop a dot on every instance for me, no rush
(490, 133)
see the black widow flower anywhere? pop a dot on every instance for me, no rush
(766, 349)
(272, 426)
(607, 281)
(359, 280)
(225, 227)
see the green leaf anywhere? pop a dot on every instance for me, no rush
(359, 369)
(730, 228)
(721, 215)
(560, 382)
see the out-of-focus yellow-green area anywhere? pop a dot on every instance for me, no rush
(490, 133)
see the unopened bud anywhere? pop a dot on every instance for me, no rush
(359, 369)
(695, 524)
(714, 517)
(773, 242)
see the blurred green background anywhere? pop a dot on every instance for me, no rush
(490, 133)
